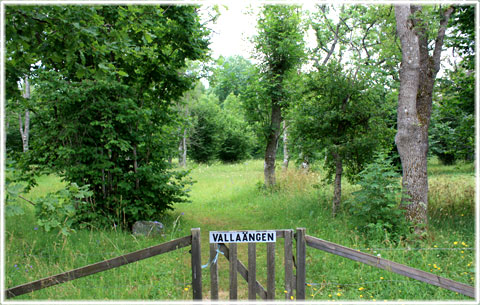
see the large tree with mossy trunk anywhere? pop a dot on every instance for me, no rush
(420, 65)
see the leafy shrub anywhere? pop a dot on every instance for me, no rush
(206, 136)
(58, 211)
(14, 187)
(375, 206)
(238, 140)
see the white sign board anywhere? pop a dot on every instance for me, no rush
(243, 237)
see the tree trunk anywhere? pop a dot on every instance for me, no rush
(286, 156)
(272, 143)
(25, 128)
(417, 76)
(337, 192)
(182, 149)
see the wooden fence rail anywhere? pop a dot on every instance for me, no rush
(106, 265)
(292, 282)
(390, 266)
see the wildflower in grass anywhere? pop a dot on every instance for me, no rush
(462, 251)
(329, 295)
(464, 244)
(285, 291)
(435, 246)
(455, 242)
(361, 288)
(339, 294)
(435, 266)
(309, 285)
(291, 297)
(35, 228)
(361, 295)
(381, 278)
(186, 288)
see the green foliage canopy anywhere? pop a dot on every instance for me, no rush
(107, 78)
(340, 115)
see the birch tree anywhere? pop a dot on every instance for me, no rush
(25, 127)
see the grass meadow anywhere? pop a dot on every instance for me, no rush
(228, 197)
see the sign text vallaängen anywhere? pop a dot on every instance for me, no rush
(243, 237)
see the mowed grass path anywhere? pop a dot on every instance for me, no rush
(230, 197)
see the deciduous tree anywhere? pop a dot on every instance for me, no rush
(417, 76)
(280, 50)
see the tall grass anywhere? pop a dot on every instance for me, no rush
(230, 197)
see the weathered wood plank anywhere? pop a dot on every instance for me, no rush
(213, 273)
(288, 250)
(252, 271)
(242, 270)
(99, 267)
(232, 257)
(390, 266)
(270, 271)
(301, 258)
(196, 265)
(280, 233)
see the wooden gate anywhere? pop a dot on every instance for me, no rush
(293, 282)
(297, 281)
(250, 273)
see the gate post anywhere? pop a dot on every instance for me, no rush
(196, 265)
(301, 253)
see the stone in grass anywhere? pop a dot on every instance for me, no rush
(147, 228)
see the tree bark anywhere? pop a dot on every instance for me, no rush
(417, 76)
(337, 192)
(25, 128)
(272, 143)
(182, 149)
(286, 156)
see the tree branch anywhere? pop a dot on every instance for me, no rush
(440, 36)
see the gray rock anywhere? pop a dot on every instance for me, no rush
(147, 228)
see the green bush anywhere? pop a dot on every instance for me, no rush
(207, 130)
(238, 140)
(59, 210)
(375, 207)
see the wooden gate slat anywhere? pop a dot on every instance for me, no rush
(242, 270)
(232, 257)
(213, 273)
(270, 271)
(252, 271)
(289, 280)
